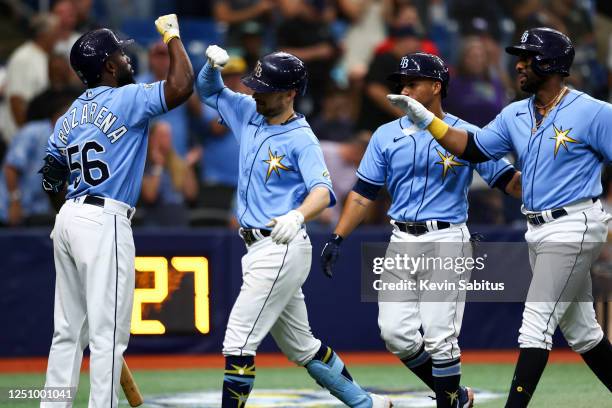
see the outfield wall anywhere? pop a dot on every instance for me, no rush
(336, 312)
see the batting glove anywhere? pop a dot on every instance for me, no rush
(217, 56)
(286, 227)
(416, 112)
(330, 254)
(168, 27)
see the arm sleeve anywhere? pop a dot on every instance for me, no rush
(314, 171)
(143, 101)
(496, 172)
(373, 166)
(600, 131)
(234, 108)
(56, 148)
(494, 139)
(367, 190)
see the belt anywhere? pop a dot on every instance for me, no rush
(542, 218)
(420, 228)
(252, 235)
(100, 201)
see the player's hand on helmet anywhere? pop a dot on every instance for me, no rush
(217, 56)
(168, 27)
(330, 254)
(286, 227)
(416, 112)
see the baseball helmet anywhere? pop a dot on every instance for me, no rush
(422, 65)
(91, 50)
(277, 72)
(553, 52)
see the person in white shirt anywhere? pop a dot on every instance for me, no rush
(27, 73)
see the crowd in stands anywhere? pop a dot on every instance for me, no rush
(349, 47)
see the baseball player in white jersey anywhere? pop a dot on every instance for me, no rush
(561, 138)
(283, 181)
(99, 146)
(428, 186)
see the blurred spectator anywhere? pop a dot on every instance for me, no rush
(471, 15)
(234, 13)
(306, 33)
(178, 118)
(342, 159)
(474, 93)
(375, 108)
(252, 42)
(67, 15)
(22, 199)
(28, 73)
(220, 160)
(84, 16)
(366, 31)
(407, 17)
(603, 37)
(334, 122)
(61, 79)
(169, 181)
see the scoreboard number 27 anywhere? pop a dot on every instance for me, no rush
(157, 294)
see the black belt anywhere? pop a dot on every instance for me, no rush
(93, 200)
(252, 235)
(538, 218)
(99, 202)
(420, 228)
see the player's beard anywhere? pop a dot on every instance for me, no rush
(532, 83)
(125, 76)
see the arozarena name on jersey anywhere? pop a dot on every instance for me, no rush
(103, 119)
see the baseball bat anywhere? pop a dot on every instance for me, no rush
(130, 388)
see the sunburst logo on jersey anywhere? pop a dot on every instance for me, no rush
(275, 164)
(448, 162)
(562, 138)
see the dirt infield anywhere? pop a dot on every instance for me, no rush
(172, 362)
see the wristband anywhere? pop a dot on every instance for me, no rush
(438, 128)
(337, 239)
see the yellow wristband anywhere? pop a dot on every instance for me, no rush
(438, 128)
(170, 35)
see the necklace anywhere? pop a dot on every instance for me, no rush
(547, 108)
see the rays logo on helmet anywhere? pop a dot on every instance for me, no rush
(524, 37)
(257, 70)
(404, 63)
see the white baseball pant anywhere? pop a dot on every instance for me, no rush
(271, 300)
(399, 321)
(561, 253)
(94, 291)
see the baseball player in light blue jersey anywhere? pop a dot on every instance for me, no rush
(429, 187)
(99, 146)
(283, 181)
(561, 138)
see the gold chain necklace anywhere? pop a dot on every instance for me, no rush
(547, 108)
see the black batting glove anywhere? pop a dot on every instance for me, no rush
(330, 254)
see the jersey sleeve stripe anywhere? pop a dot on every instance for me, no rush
(499, 173)
(482, 149)
(369, 180)
(162, 99)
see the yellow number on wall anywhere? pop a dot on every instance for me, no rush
(199, 266)
(159, 266)
(158, 293)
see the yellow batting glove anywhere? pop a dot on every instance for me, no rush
(168, 27)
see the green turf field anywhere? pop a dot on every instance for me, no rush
(563, 385)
